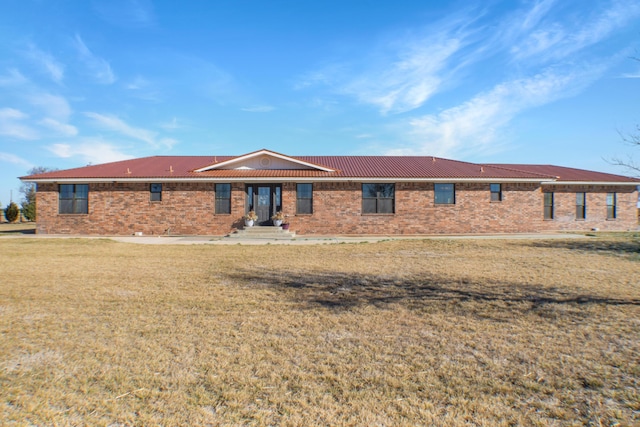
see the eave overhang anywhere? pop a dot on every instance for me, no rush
(282, 179)
(616, 183)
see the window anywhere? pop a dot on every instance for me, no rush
(444, 194)
(378, 198)
(581, 205)
(304, 199)
(548, 205)
(223, 198)
(612, 208)
(278, 193)
(496, 192)
(74, 198)
(250, 201)
(155, 192)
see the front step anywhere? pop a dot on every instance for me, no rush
(262, 232)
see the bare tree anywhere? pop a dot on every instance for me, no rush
(632, 139)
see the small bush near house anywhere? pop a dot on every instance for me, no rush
(12, 213)
(29, 211)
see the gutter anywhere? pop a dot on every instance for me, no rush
(634, 184)
(279, 180)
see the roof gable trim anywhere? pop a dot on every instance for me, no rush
(265, 160)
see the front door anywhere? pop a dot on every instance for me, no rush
(263, 204)
(265, 200)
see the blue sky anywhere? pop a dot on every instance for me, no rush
(547, 81)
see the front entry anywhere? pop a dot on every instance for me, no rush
(265, 200)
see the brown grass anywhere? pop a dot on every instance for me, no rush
(17, 228)
(479, 332)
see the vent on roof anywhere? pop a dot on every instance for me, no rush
(265, 161)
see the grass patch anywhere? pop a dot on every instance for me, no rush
(17, 228)
(432, 332)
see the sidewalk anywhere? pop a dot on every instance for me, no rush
(320, 240)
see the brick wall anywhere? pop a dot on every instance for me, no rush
(188, 208)
(596, 208)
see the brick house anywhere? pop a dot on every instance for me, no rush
(209, 195)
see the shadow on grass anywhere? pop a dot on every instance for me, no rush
(19, 228)
(627, 246)
(343, 291)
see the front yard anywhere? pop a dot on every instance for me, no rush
(432, 332)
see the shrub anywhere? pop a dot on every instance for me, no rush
(29, 211)
(12, 212)
(29, 204)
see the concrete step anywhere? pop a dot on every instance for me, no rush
(262, 232)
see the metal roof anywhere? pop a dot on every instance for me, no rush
(564, 174)
(185, 168)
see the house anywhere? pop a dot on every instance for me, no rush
(209, 195)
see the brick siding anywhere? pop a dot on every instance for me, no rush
(188, 208)
(596, 208)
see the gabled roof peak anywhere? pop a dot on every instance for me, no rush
(264, 160)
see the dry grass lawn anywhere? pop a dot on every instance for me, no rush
(433, 332)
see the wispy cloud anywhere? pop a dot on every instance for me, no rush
(168, 143)
(171, 125)
(47, 62)
(473, 126)
(555, 39)
(62, 129)
(126, 13)
(410, 81)
(326, 75)
(90, 150)
(137, 83)
(51, 105)
(142, 88)
(12, 78)
(98, 67)
(12, 125)
(13, 159)
(404, 72)
(118, 125)
(526, 57)
(533, 16)
(258, 109)
(419, 69)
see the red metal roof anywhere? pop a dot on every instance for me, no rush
(344, 167)
(562, 173)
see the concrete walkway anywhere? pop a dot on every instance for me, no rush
(298, 240)
(321, 240)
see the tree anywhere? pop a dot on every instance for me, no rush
(632, 139)
(29, 204)
(28, 190)
(12, 212)
(629, 163)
